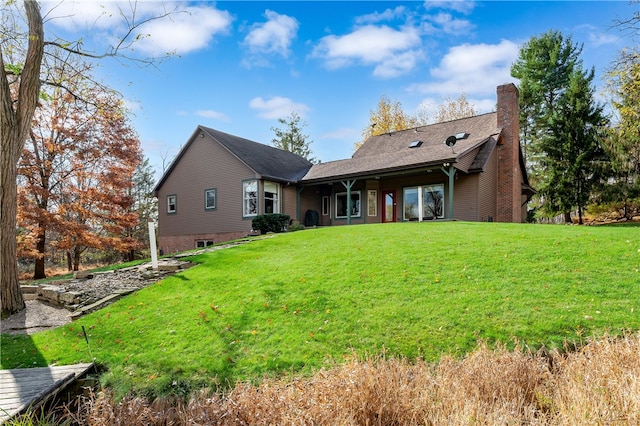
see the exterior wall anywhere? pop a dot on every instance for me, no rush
(487, 189)
(509, 188)
(288, 201)
(466, 197)
(204, 165)
(177, 243)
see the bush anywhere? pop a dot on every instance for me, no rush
(273, 222)
(296, 226)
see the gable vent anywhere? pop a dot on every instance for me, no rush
(415, 144)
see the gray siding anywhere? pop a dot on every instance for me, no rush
(206, 164)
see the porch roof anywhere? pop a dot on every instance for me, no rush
(391, 152)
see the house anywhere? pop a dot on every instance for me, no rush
(467, 169)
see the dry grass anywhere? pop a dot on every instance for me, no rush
(597, 384)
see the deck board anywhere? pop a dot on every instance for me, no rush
(22, 388)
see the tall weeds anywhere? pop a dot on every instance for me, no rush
(597, 384)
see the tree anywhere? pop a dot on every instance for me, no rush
(388, 117)
(21, 57)
(575, 160)
(544, 67)
(144, 205)
(291, 137)
(73, 140)
(623, 144)
(454, 109)
(555, 100)
(16, 112)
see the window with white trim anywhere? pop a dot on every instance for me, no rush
(325, 205)
(210, 199)
(172, 203)
(271, 197)
(250, 198)
(341, 204)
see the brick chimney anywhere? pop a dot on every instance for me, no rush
(509, 192)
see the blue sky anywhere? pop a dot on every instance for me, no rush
(241, 65)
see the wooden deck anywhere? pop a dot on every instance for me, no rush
(24, 388)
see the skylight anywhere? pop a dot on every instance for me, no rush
(462, 135)
(415, 144)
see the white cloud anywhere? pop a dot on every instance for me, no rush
(446, 23)
(391, 52)
(462, 6)
(474, 69)
(273, 36)
(376, 17)
(207, 113)
(598, 39)
(277, 107)
(185, 29)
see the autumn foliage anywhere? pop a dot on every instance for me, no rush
(75, 176)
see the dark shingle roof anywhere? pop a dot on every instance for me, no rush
(267, 161)
(391, 152)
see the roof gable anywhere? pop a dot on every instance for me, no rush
(266, 161)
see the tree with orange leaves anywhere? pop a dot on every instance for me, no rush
(76, 173)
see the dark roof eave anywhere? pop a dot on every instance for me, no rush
(400, 170)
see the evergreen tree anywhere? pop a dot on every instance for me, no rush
(574, 160)
(561, 124)
(291, 137)
(544, 67)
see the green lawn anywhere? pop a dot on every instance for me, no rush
(305, 300)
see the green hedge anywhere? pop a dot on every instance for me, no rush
(273, 222)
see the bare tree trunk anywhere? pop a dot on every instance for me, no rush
(41, 244)
(76, 258)
(15, 122)
(69, 262)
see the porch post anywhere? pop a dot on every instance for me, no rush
(348, 184)
(450, 171)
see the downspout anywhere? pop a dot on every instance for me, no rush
(450, 171)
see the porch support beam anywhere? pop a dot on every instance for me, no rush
(348, 184)
(450, 172)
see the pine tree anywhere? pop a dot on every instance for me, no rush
(291, 137)
(561, 123)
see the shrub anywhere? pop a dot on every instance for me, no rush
(273, 222)
(296, 226)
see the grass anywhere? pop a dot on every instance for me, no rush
(298, 302)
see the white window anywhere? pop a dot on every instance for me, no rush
(424, 202)
(210, 199)
(250, 198)
(341, 204)
(325, 205)
(271, 199)
(172, 203)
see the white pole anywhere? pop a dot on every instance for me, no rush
(152, 244)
